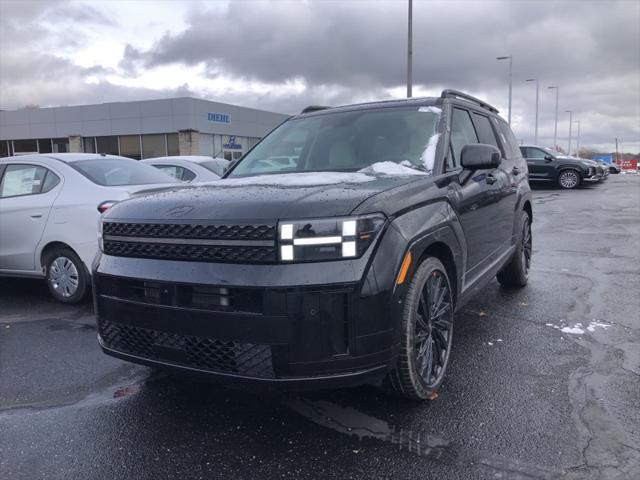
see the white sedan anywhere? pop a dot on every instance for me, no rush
(190, 168)
(49, 210)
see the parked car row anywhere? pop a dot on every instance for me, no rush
(547, 166)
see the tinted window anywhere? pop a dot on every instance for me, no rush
(89, 144)
(108, 145)
(462, 133)
(25, 146)
(4, 148)
(172, 144)
(533, 152)
(178, 172)
(130, 146)
(347, 141)
(60, 145)
(113, 172)
(508, 138)
(154, 146)
(50, 181)
(485, 132)
(45, 145)
(21, 180)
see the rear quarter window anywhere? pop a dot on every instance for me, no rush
(512, 149)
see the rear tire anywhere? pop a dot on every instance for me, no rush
(426, 334)
(569, 179)
(516, 272)
(66, 276)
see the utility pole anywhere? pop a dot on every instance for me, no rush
(555, 129)
(617, 158)
(535, 141)
(410, 50)
(578, 139)
(510, 58)
(570, 112)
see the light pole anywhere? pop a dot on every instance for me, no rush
(535, 141)
(555, 128)
(578, 139)
(410, 50)
(570, 112)
(510, 58)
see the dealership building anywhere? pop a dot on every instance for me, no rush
(142, 129)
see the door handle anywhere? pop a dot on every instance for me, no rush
(491, 179)
(516, 171)
(36, 215)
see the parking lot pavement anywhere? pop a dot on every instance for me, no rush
(544, 383)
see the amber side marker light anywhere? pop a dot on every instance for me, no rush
(406, 263)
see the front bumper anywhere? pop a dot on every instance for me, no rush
(593, 178)
(315, 325)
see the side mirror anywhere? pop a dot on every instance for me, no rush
(478, 156)
(548, 158)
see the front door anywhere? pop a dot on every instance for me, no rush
(26, 197)
(478, 199)
(540, 163)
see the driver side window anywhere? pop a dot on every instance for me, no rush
(462, 133)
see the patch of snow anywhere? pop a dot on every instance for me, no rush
(299, 179)
(490, 344)
(595, 324)
(392, 168)
(429, 155)
(430, 110)
(574, 330)
(499, 340)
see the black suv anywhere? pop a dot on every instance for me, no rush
(551, 167)
(341, 266)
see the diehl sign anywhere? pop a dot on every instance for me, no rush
(232, 145)
(219, 117)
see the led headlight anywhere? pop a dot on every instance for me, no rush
(327, 238)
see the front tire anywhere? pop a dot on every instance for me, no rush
(426, 334)
(66, 276)
(569, 179)
(516, 272)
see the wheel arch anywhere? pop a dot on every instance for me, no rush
(48, 248)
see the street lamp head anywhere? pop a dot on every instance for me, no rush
(568, 111)
(552, 86)
(531, 80)
(503, 58)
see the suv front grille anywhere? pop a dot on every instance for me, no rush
(191, 242)
(188, 230)
(199, 352)
(194, 253)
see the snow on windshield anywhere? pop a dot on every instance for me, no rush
(300, 179)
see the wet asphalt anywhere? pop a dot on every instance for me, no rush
(522, 399)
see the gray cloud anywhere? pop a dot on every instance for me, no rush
(355, 51)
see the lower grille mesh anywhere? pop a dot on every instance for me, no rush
(194, 253)
(199, 352)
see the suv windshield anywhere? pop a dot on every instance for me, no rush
(347, 142)
(114, 172)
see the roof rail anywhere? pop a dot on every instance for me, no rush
(448, 93)
(313, 108)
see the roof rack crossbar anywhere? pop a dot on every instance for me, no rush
(314, 108)
(449, 93)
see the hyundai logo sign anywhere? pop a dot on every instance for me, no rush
(219, 117)
(232, 145)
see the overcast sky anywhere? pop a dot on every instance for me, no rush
(284, 55)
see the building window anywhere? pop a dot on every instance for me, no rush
(4, 148)
(20, 147)
(44, 145)
(108, 145)
(89, 144)
(173, 147)
(60, 145)
(130, 146)
(154, 146)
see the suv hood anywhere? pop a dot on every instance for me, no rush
(267, 197)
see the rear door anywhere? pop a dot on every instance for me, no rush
(27, 193)
(478, 198)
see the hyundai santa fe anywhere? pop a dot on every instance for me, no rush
(342, 266)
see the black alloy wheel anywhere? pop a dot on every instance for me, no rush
(427, 333)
